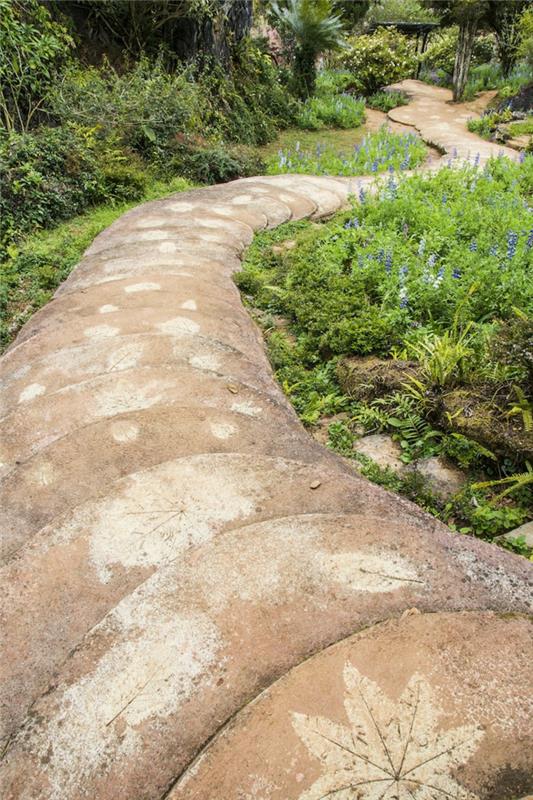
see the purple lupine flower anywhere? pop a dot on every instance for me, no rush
(476, 160)
(444, 199)
(404, 299)
(529, 242)
(352, 223)
(388, 262)
(493, 249)
(522, 156)
(456, 273)
(473, 246)
(374, 167)
(432, 259)
(512, 242)
(362, 195)
(381, 255)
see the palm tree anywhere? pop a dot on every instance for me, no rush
(313, 28)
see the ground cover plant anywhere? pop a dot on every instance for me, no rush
(336, 110)
(413, 315)
(377, 152)
(385, 101)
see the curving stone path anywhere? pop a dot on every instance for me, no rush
(442, 123)
(198, 600)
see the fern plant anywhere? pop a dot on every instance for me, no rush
(512, 483)
(522, 406)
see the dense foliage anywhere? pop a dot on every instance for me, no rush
(378, 59)
(385, 101)
(32, 49)
(436, 271)
(114, 130)
(55, 173)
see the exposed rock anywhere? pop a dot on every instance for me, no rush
(522, 101)
(382, 449)
(443, 478)
(525, 530)
(288, 244)
(365, 378)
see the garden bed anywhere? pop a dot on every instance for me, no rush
(411, 317)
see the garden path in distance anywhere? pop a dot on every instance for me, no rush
(198, 600)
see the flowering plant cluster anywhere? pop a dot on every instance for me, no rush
(377, 152)
(429, 276)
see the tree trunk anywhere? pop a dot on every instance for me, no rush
(304, 72)
(467, 34)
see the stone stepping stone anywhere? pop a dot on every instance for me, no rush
(156, 230)
(69, 366)
(77, 568)
(196, 640)
(377, 716)
(157, 291)
(55, 481)
(134, 269)
(328, 195)
(48, 417)
(443, 125)
(227, 325)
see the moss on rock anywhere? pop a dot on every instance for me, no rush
(369, 377)
(476, 417)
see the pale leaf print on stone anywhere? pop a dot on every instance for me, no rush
(392, 750)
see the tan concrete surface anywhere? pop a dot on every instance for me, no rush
(174, 544)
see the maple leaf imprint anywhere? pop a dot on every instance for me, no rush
(393, 750)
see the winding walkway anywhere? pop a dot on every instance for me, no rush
(198, 600)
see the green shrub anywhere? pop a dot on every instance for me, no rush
(33, 50)
(333, 81)
(143, 107)
(54, 173)
(379, 59)
(440, 55)
(385, 101)
(146, 106)
(335, 111)
(526, 44)
(203, 162)
(490, 76)
(249, 104)
(429, 252)
(400, 11)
